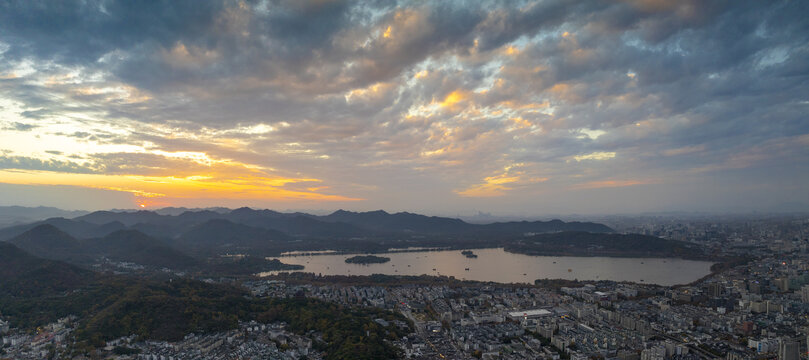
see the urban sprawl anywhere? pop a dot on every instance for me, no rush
(757, 308)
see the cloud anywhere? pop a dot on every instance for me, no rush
(33, 114)
(684, 150)
(270, 189)
(511, 177)
(32, 163)
(373, 97)
(601, 155)
(20, 127)
(612, 183)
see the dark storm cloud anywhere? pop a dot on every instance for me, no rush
(304, 25)
(82, 31)
(505, 24)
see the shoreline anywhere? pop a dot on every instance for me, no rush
(714, 260)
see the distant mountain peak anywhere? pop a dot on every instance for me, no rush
(45, 228)
(46, 241)
(44, 231)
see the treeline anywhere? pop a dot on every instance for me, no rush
(367, 259)
(245, 266)
(161, 310)
(593, 244)
(169, 311)
(349, 333)
(383, 280)
(113, 307)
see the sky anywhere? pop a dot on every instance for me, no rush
(438, 107)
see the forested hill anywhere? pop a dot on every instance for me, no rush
(415, 223)
(590, 244)
(23, 275)
(281, 226)
(49, 242)
(35, 291)
(197, 240)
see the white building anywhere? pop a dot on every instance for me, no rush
(528, 314)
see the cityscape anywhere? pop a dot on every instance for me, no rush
(754, 304)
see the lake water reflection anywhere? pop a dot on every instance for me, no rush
(500, 266)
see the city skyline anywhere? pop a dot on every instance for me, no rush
(535, 107)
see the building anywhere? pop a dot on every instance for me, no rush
(788, 349)
(805, 293)
(528, 314)
(782, 284)
(762, 346)
(654, 353)
(715, 289)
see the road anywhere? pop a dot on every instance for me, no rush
(406, 311)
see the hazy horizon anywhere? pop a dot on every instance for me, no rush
(473, 214)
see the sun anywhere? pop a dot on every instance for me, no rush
(142, 205)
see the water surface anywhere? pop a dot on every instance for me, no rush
(500, 266)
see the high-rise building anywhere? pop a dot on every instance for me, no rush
(805, 293)
(654, 353)
(715, 289)
(788, 349)
(782, 284)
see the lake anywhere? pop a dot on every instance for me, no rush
(500, 266)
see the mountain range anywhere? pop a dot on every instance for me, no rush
(338, 225)
(194, 240)
(49, 242)
(16, 215)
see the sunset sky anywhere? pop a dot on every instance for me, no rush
(439, 107)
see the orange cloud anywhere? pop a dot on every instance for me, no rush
(454, 98)
(520, 123)
(511, 50)
(421, 74)
(492, 186)
(497, 185)
(150, 189)
(565, 92)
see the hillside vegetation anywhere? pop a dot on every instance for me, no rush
(36, 291)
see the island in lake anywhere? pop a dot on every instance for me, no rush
(367, 259)
(469, 254)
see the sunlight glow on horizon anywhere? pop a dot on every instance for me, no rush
(147, 189)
